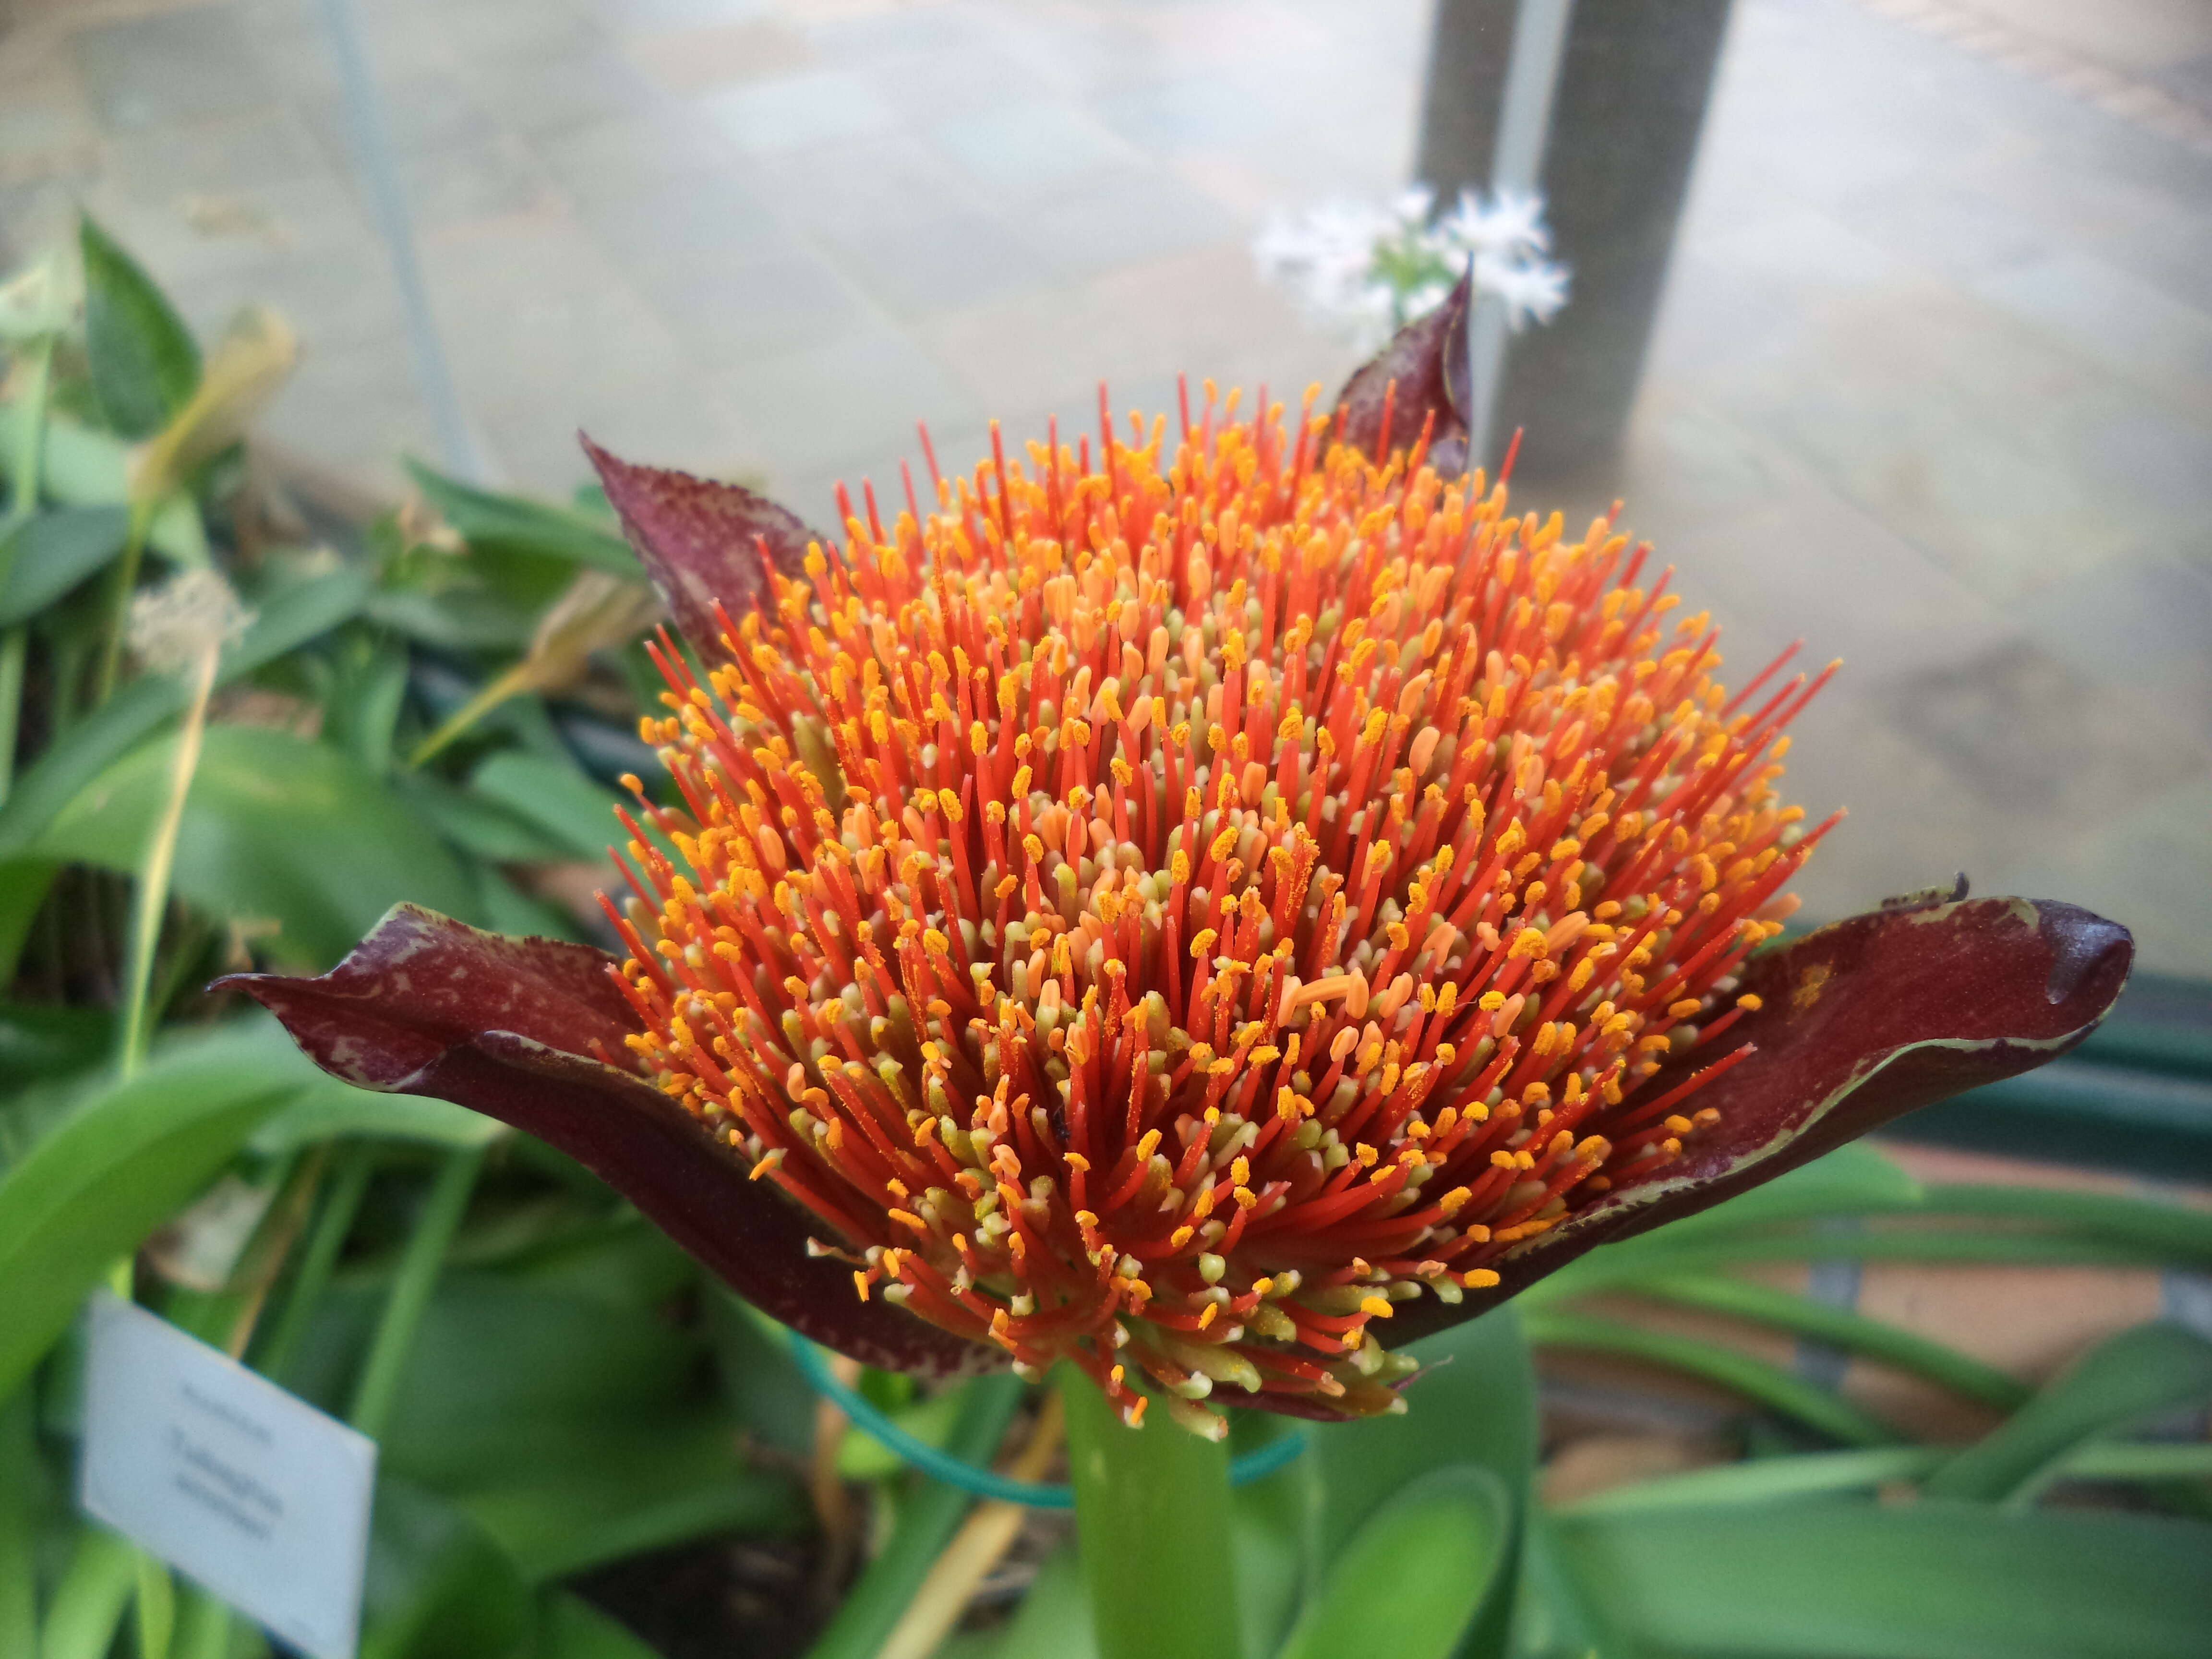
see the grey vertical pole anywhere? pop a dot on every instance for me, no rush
(1524, 122)
(1468, 51)
(1620, 111)
(457, 442)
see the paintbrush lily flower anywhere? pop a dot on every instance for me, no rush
(1196, 906)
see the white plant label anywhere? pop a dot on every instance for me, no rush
(238, 1485)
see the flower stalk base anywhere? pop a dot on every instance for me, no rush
(1151, 1524)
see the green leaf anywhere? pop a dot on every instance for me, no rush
(47, 555)
(325, 1114)
(2126, 1377)
(517, 524)
(130, 1155)
(1841, 1579)
(29, 1114)
(1623, 1265)
(1475, 1404)
(47, 1040)
(89, 1601)
(22, 1480)
(277, 826)
(1765, 1480)
(2123, 1460)
(570, 1628)
(144, 363)
(1767, 1385)
(761, 1385)
(1268, 1534)
(505, 1380)
(205, 1626)
(1891, 1345)
(1552, 1618)
(1853, 1180)
(458, 616)
(2181, 1233)
(24, 884)
(362, 702)
(564, 805)
(1413, 1577)
(620, 1259)
(507, 907)
(285, 620)
(438, 1586)
(2087, 1229)
(81, 467)
(622, 1491)
(2139, 1107)
(1813, 1474)
(478, 824)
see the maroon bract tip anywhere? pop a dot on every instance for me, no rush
(531, 1031)
(701, 541)
(1422, 373)
(1858, 1023)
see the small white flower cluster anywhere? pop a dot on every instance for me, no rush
(1367, 271)
(185, 618)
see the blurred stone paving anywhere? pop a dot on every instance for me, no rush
(1932, 385)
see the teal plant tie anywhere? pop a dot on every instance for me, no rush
(940, 1465)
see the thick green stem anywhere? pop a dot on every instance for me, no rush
(152, 896)
(410, 1291)
(1151, 1524)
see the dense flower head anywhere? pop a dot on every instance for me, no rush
(1173, 901)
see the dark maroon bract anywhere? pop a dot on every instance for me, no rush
(1865, 1020)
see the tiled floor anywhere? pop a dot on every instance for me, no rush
(1932, 387)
